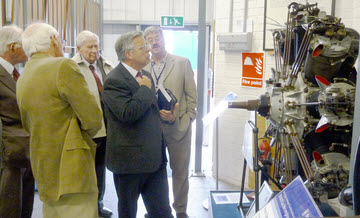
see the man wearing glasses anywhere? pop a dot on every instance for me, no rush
(135, 149)
(175, 73)
(16, 179)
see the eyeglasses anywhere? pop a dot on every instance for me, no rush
(145, 47)
(154, 39)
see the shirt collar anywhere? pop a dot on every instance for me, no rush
(87, 63)
(8, 67)
(132, 71)
(163, 61)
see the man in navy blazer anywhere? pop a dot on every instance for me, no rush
(135, 150)
(16, 178)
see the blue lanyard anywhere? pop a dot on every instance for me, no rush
(157, 77)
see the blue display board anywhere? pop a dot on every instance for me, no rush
(293, 201)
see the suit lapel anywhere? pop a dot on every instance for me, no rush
(169, 66)
(6, 79)
(127, 75)
(144, 72)
(100, 65)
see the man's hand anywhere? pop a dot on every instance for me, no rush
(144, 81)
(168, 115)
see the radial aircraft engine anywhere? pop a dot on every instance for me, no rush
(309, 100)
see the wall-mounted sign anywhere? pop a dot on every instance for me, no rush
(172, 21)
(252, 70)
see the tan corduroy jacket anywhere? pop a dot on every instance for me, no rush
(62, 116)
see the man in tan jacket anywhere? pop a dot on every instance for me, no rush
(175, 73)
(62, 116)
(94, 67)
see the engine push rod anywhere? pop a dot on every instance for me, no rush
(299, 150)
(278, 58)
(287, 46)
(299, 58)
(287, 155)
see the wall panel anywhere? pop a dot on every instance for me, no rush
(147, 9)
(162, 8)
(133, 10)
(178, 7)
(192, 10)
(118, 9)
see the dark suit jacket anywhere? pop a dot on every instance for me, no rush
(134, 136)
(15, 140)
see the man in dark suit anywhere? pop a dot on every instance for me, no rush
(16, 179)
(135, 150)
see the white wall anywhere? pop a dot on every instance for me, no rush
(151, 10)
(228, 71)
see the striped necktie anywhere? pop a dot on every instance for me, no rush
(97, 79)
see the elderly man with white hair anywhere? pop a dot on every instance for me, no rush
(94, 67)
(16, 179)
(61, 115)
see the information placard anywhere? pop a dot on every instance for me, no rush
(293, 201)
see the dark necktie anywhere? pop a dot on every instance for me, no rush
(16, 74)
(139, 74)
(97, 79)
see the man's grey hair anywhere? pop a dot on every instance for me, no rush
(9, 35)
(153, 29)
(125, 42)
(83, 36)
(37, 38)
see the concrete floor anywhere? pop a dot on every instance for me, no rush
(200, 187)
(199, 191)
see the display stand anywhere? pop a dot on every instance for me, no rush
(241, 206)
(256, 167)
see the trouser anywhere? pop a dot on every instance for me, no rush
(16, 191)
(100, 168)
(154, 190)
(79, 205)
(179, 157)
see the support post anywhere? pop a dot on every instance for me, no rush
(202, 79)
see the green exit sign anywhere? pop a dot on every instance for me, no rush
(172, 21)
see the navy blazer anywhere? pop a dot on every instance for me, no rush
(15, 140)
(134, 135)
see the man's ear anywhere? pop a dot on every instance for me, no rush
(53, 40)
(128, 54)
(78, 48)
(12, 47)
